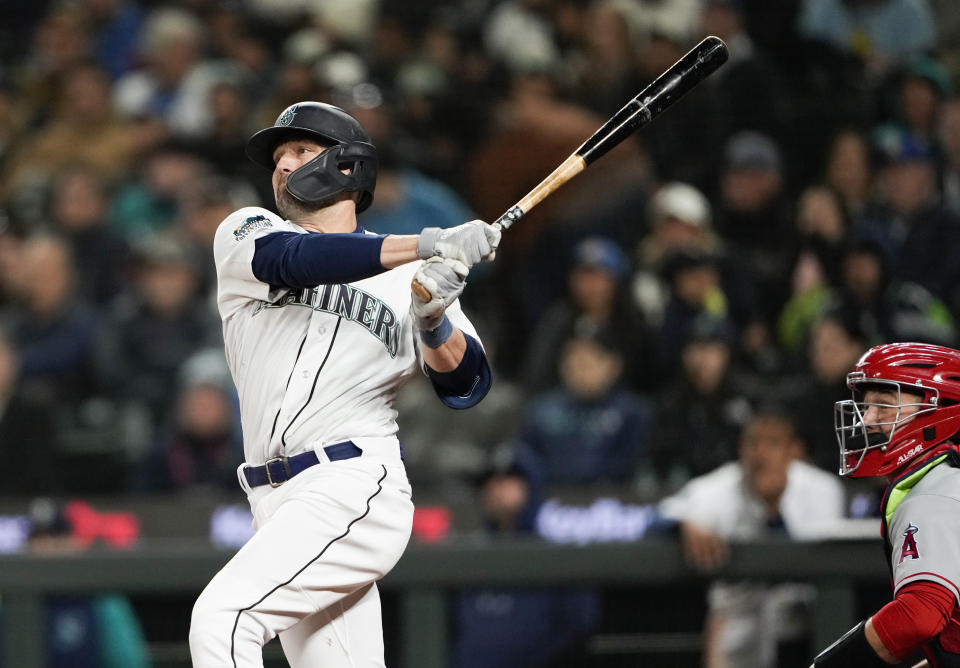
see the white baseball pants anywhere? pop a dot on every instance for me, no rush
(309, 573)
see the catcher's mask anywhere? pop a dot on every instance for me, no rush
(928, 372)
(349, 148)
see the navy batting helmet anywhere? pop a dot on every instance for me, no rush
(322, 177)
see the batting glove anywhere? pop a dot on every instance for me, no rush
(468, 243)
(444, 279)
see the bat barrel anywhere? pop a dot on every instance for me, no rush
(696, 65)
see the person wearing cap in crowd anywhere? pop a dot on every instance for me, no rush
(589, 428)
(597, 297)
(922, 87)
(680, 220)
(518, 628)
(701, 411)
(910, 218)
(753, 216)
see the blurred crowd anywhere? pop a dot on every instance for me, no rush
(800, 205)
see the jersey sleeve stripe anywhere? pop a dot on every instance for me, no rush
(926, 575)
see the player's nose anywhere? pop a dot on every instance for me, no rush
(286, 162)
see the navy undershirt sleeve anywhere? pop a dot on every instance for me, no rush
(466, 385)
(292, 260)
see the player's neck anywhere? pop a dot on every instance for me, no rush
(340, 217)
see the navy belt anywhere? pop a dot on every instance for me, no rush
(278, 470)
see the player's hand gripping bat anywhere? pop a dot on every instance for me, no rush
(698, 63)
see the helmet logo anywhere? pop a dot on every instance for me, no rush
(286, 118)
(912, 452)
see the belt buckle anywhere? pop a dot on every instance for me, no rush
(286, 469)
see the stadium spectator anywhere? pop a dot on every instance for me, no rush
(522, 628)
(52, 332)
(174, 81)
(681, 231)
(200, 446)
(767, 491)
(79, 210)
(590, 428)
(150, 202)
(848, 169)
(834, 343)
(824, 230)
(696, 294)
(223, 147)
(597, 298)
(920, 87)
(59, 41)
(753, 219)
(153, 327)
(701, 411)
(911, 220)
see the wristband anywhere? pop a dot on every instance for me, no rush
(427, 242)
(851, 651)
(434, 338)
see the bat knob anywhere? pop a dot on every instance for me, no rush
(421, 292)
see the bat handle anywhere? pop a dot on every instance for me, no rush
(421, 292)
(509, 218)
(502, 223)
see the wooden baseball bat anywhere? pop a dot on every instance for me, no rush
(696, 65)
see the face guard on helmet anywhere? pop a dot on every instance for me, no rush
(900, 432)
(349, 148)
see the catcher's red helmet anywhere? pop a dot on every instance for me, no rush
(933, 372)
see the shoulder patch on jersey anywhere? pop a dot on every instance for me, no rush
(909, 549)
(250, 224)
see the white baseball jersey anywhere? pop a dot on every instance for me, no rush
(313, 367)
(317, 366)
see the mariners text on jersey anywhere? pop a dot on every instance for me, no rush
(351, 303)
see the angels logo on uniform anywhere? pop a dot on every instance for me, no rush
(909, 544)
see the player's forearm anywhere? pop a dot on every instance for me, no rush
(877, 645)
(398, 249)
(448, 355)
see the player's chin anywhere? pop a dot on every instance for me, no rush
(292, 208)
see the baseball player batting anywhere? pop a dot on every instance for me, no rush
(320, 331)
(902, 424)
